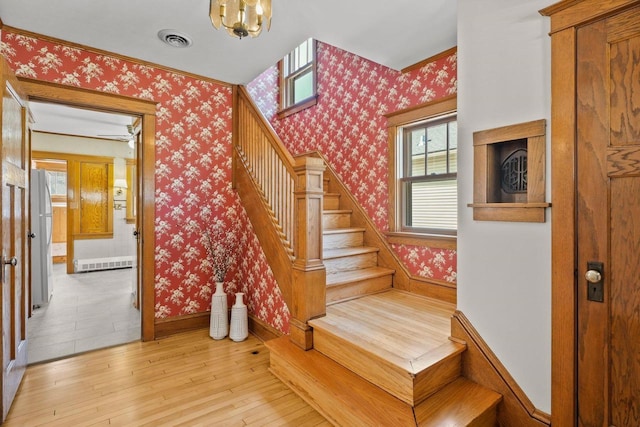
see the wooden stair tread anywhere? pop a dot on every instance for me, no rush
(336, 211)
(403, 330)
(460, 403)
(338, 394)
(327, 231)
(344, 252)
(344, 277)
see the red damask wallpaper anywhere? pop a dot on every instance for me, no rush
(347, 125)
(193, 167)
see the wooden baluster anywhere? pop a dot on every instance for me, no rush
(290, 212)
(308, 273)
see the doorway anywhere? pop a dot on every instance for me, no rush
(89, 301)
(145, 166)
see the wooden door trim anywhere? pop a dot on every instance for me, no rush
(85, 98)
(573, 13)
(566, 16)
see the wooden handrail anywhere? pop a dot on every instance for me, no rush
(283, 199)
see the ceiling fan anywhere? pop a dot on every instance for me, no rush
(129, 137)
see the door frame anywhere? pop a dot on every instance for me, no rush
(566, 16)
(146, 110)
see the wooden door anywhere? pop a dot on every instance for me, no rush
(14, 263)
(608, 221)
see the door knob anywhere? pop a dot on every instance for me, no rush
(595, 283)
(593, 276)
(31, 235)
(13, 261)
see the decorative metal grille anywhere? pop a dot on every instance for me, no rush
(513, 172)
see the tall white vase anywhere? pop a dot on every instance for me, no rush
(239, 330)
(219, 324)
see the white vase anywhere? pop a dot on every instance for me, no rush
(219, 323)
(239, 329)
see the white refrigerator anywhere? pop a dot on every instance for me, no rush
(42, 227)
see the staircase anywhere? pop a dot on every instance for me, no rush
(352, 268)
(381, 356)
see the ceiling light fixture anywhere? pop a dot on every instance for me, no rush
(241, 18)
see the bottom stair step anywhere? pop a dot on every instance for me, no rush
(460, 403)
(342, 397)
(346, 399)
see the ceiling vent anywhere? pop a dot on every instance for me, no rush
(175, 38)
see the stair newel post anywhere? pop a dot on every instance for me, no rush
(308, 274)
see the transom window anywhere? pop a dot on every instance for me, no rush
(428, 181)
(57, 181)
(298, 77)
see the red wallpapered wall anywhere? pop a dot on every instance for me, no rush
(347, 125)
(193, 167)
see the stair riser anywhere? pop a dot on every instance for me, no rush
(331, 202)
(310, 392)
(433, 379)
(336, 220)
(472, 405)
(364, 287)
(487, 419)
(404, 385)
(349, 263)
(343, 240)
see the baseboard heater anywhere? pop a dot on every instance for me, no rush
(95, 264)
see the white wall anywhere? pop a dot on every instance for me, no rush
(122, 243)
(504, 269)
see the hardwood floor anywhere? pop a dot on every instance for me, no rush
(184, 380)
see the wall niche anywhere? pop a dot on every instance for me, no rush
(509, 173)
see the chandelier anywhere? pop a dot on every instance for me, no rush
(241, 18)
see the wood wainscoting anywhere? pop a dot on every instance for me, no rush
(481, 365)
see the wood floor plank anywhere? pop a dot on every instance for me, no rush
(188, 378)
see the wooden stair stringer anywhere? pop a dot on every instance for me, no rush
(279, 257)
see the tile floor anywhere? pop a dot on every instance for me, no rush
(87, 311)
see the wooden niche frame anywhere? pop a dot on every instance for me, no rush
(490, 148)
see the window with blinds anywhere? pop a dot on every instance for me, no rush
(429, 174)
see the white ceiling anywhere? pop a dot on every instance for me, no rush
(395, 33)
(61, 119)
